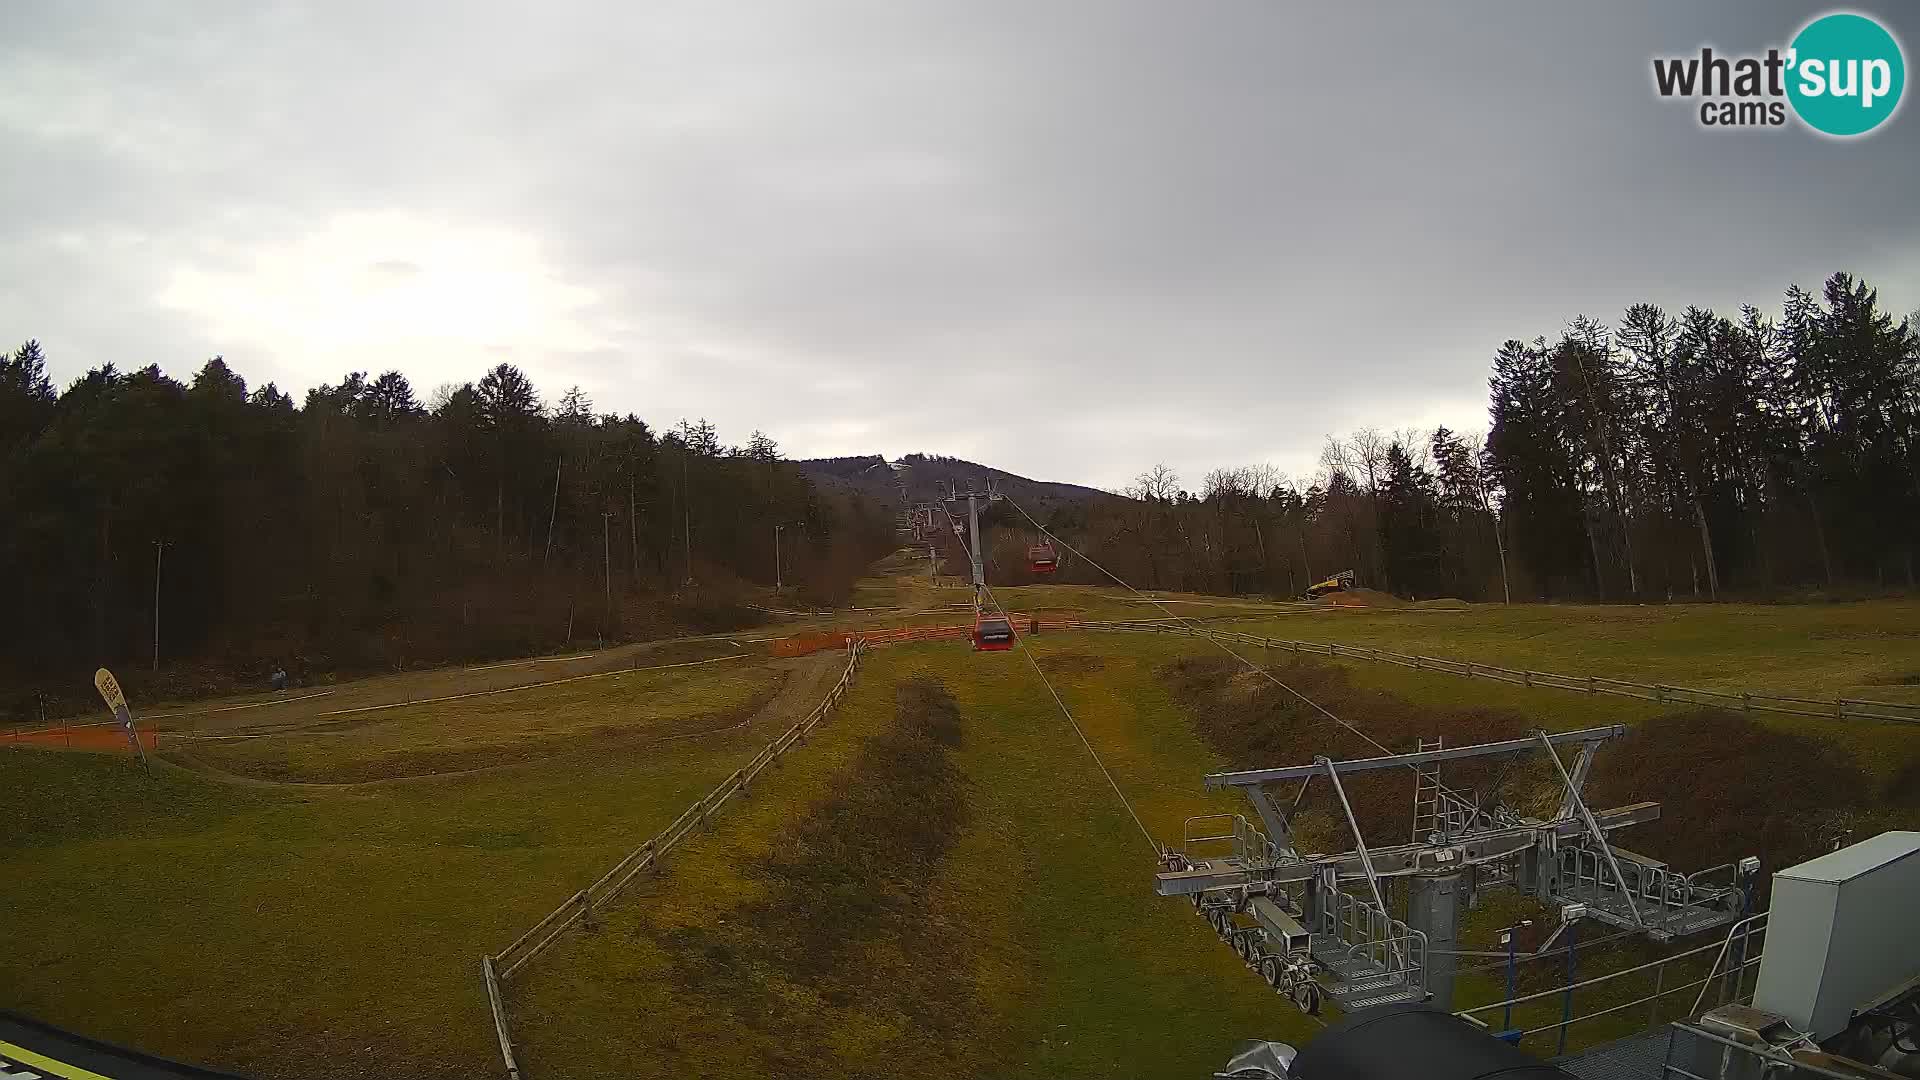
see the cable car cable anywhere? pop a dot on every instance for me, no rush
(1202, 632)
(1068, 713)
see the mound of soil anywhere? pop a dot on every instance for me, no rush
(1372, 598)
(1732, 787)
(1729, 786)
(844, 920)
(1254, 723)
(1444, 603)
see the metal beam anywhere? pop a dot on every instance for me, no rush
(1582, 765)
(1279, 822)
(1253, 777)
(1360, 844)
(1599, 834)
(1400, 859)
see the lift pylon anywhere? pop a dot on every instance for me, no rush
(974, 497)
(1323, 919)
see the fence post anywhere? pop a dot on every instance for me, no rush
(1566, 1005)
(1839, 709)
(1659, 693)
(499, 1010)
(1746, 701)
(1659, 984)
(1469, 669)
(1526, 678)
(1590, 690)
(1418, 663)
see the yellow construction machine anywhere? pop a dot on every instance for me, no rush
(1340, 582)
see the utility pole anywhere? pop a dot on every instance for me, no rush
(686, 514)
(159, 546)
(975, 547)
(633, 526)
(553, 514)
(606, 556)
(776, 556)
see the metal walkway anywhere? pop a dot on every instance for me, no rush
(1641, 1056)
(1356, 982)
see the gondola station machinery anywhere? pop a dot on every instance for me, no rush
(1837, 997)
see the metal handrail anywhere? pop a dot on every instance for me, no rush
(1570, 1021)
(1596, 979)
(1186, 829)
(1725, 945)
(1398, 949)
(1410, 938)
(1765, 1053)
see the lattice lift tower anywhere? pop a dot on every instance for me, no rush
(1321, 924)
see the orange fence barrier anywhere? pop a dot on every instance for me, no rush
(804, 644)
(102, 736)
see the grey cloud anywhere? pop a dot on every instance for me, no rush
(1068, 239)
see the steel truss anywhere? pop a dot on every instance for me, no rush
(1318, 925)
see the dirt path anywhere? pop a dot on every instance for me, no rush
(805, 683)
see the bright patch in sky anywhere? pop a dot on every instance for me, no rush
(390, 290)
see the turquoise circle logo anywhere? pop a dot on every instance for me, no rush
(1846, 74)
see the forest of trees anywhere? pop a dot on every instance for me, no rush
(365, 529)
(1665, 457)
(1662, 457)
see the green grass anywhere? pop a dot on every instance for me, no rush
(619, 708)
(294, 932)
(1076, 967)
(1857, 649)
(300, 932)
(1854, 650)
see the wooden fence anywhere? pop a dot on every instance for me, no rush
(501, 966)
(1836, 708)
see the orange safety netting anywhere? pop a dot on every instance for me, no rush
(106, 736)
(804, 644)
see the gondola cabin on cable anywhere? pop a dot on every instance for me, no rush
(1041, 559)
(992, 633)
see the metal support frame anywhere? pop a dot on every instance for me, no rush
(1593, 827)
(1279, 822)
(1401, 859)
(1255, 777)
(1360, 953)
(975, 547)
(1582, 767)
(1360, 844)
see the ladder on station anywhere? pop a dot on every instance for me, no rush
(1426, 793)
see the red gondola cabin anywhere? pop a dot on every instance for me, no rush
(1041, 560)
(992, 633)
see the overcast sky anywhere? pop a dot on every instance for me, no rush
(1065, 239)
